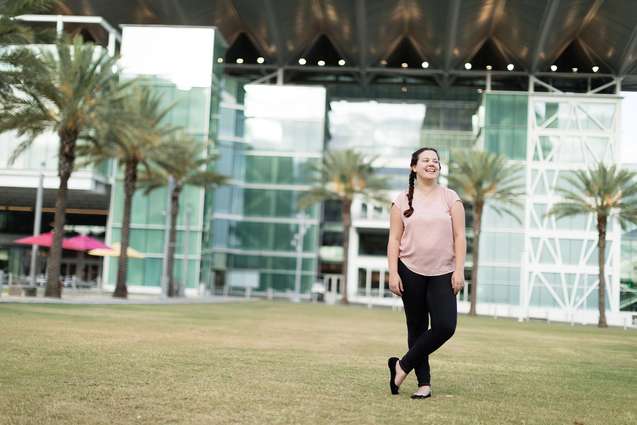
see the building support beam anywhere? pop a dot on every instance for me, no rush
(603, 86)
(593, 56)
(430, 72)
(592, 12)
(629, 54)
(61, 19)
(361, 24)
(497, 9)
(274, 28)
(545, 25)
(533, 80)
(502, 49)
(454, 12)
(266, 78)
(590, 15)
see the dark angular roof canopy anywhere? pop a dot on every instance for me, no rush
(403, 53)
(321, 50)
(532, 35)
(489, 56)
(244, 49)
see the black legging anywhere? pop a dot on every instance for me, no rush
(425, 296)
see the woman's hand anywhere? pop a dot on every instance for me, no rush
(457, 281)
(395, 284)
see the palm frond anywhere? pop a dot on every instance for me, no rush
(599, 190)
(505, 210)
(71, 89)
(14, 32)
(315, 195)
(344, 174)
(25, 118)
(152, 179)
(130, 127)
(187, 160)
(627, 217)
(12, 8)
(480, 176)
(206, 178)
(19, 150)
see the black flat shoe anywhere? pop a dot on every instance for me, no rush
(420, 396)
(391, 363)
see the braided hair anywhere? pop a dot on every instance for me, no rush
(412, 178)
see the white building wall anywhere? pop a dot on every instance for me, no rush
(567, 133)
(590, 133)
(41, 156)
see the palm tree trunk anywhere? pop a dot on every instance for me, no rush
(601, 249)
(475, 255)
(172, 238)
(130, 181)
(347, 224)
(66, 159)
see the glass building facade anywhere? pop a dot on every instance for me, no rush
(566, 134)
(542, 265)
(87, 203)
(628, 272)
(269, 138)
(448, 125)
(189, 79)
(505, 127)
(444, 124)
(504, 132)
(535, 266)
(390, 131)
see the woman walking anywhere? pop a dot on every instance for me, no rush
(426, 253)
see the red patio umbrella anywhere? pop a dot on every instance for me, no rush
(77, 243)
(84, 243)
(43, 239)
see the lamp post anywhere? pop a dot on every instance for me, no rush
(186, 246)
(297, 242)
(37, 221)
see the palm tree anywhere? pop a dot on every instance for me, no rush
(479, 177)
(67, 90)
(133, 142)
(15, 33)
(341, 176)
(603, 191)
(180, 162)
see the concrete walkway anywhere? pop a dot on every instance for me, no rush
(92, 297)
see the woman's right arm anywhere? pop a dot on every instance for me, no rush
(396, 229)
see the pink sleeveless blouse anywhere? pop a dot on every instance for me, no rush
(426, 246)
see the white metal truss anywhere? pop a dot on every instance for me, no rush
(114, 36)
(571, 137)
(535, 79)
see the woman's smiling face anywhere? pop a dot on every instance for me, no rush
(428, 165)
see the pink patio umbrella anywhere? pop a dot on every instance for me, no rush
(43, 239)
(84, 243)
(77, 243)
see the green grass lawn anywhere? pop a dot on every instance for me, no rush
(280, 363)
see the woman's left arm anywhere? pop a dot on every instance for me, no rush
(459, 238)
